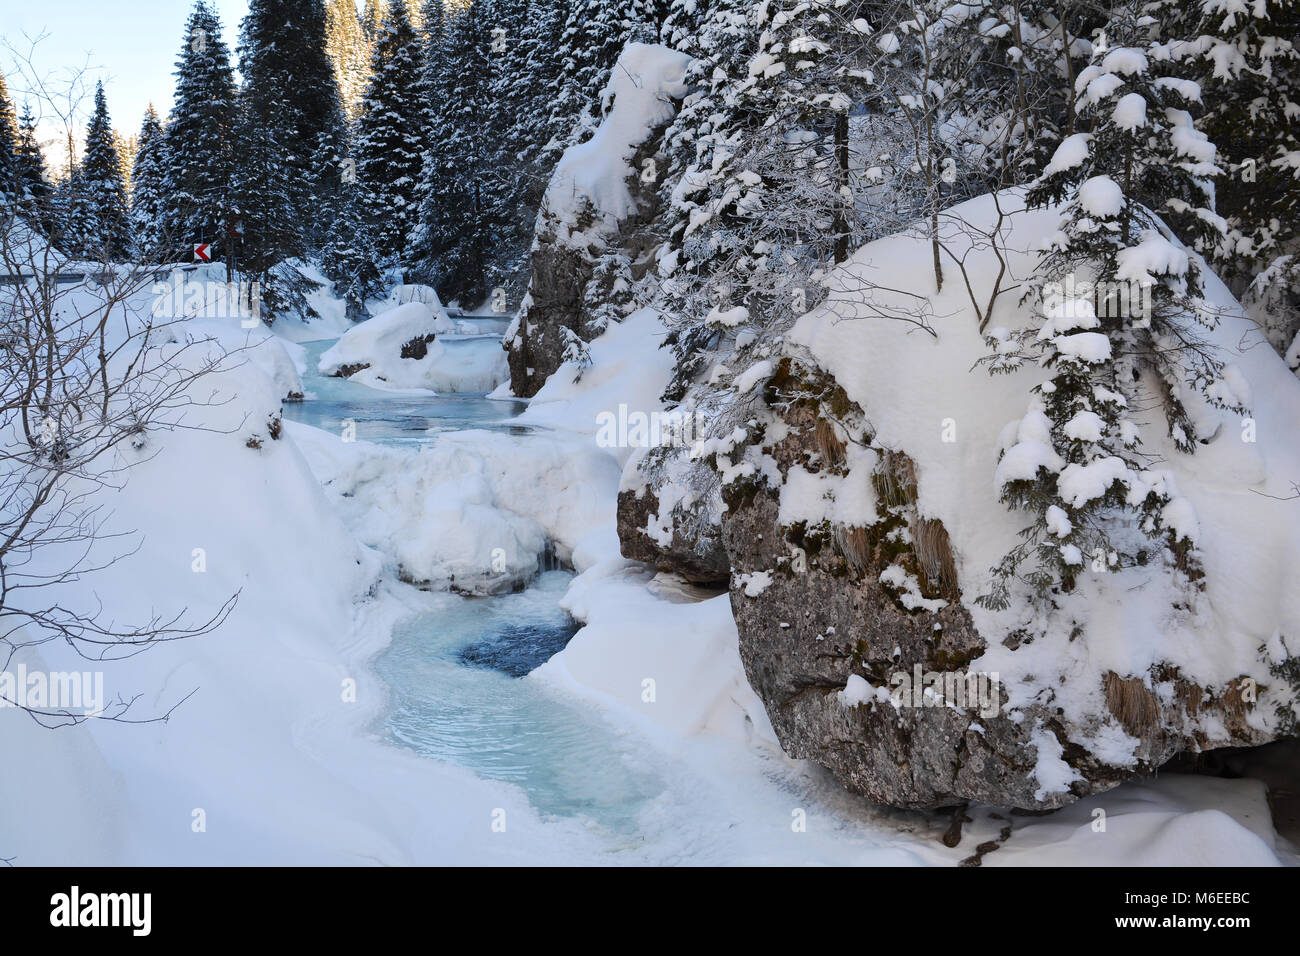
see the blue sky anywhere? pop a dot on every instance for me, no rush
(131, 45)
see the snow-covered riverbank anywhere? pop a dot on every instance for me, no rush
(285, 751)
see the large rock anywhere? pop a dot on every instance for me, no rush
(824, 639)
(579, 282)
(595, 228)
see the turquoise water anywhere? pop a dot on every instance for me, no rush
(560, 752)
(392, 417)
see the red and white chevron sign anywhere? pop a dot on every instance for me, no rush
(203, 252)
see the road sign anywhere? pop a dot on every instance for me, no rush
(203, 252)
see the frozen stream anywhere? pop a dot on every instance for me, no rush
(608, 786)
(451, 670)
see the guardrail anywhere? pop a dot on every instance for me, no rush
(67, 278)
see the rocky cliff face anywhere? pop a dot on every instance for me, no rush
(579, 283)
(595, 229)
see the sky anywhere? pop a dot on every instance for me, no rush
(131, 45)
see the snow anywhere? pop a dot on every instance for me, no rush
(1096, 86)
(1131, 112)
(1080, 484)
(472, 511)
(1153, 256)
(628, 366)
(1175, 820)
(643, 84)
(752, 376)
(1058, 522)
(1031, 450)
(856, 691)
(1090, 347)
(380, 339)
(282, 769)
(1051, 771)
(1101, 196)
(377, 344)
(1085, 426)
(728, 318)
(1127, 61)
(1072, 152)
(310, 529)
(908, 589)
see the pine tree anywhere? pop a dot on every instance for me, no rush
(349, 257)
(758, 195)
(510, 187)
(98, 226)
(534, 77)
(461, 267)
(10, 188)
(349, 51)
(265, 196)
(283, 59)
(1007, 73)
(434, 229)
(389, 134)
(1246, 58)
(126, 147)
(452, 237)
(30, 164)
(594, 33)
(198, 156)
(372, 19)
(148, 181)
(1120, 309)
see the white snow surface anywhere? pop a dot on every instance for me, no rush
(377, 342)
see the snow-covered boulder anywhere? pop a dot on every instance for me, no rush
(405, 293)
(592, 240)
(403, 332)
(862, 523)
(399, 349)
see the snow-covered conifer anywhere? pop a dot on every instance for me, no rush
(389, 134)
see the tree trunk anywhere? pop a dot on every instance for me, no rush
(842, 182)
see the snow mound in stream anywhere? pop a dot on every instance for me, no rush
(473, 511)
(372, 353)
